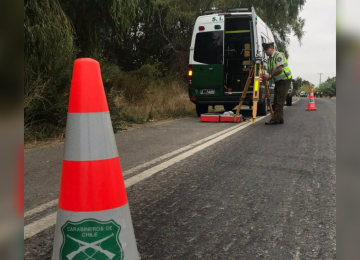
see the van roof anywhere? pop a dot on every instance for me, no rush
(226, 14)
(229, 11)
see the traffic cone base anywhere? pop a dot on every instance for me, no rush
(93, 220)
(105, 235)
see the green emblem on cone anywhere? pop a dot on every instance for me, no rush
(311, 100)
(91, 239)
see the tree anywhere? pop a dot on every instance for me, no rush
(49, 53)
(305, 87)
(97, 23)
(55, 34)
(328, 88)
(300, 82)
(297, 83)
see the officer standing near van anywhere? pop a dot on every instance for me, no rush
(278, 70)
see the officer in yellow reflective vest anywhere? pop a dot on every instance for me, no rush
(278, 70)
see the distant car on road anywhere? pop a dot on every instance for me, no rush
(303, 94)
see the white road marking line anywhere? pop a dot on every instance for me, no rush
(40, 225)
(50, 220)
(53, 203)
(41, 208)
(161, 158)
(146, 174)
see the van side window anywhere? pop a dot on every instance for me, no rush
(209, 47)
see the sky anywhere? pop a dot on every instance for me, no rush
(317, 53)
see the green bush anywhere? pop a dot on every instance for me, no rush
(134, 85)
(328, 88)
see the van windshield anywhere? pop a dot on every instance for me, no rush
(209, 47)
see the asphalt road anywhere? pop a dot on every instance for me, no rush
(261, 192)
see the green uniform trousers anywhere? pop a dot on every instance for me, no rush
(280, 91)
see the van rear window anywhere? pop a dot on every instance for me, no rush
(209, 47)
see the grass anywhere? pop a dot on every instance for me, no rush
(166, 101)
(169, 100)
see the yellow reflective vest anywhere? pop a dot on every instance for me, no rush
(286, 72)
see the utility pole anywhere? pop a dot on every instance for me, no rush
(320, 78)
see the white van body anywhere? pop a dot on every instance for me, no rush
(303, 94)
(223, 46)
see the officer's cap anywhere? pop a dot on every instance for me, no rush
(267, 45)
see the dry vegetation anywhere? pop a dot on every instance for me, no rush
(168, 101)
(134, 97)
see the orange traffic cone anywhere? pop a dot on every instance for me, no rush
(311, 104)
(93, 220)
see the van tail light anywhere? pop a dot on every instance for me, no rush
(201, 28)
(190, 76)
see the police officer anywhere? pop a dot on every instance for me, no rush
(278, 70)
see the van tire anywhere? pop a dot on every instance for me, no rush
(201, 109)
(262, 108)
(228, 107)
(289, 101)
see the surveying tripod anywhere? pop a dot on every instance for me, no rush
(256, 71)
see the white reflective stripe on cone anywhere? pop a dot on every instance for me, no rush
(109, 233)
(89, 137)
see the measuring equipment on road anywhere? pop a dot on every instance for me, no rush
(255, 74)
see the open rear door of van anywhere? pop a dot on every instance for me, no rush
(238, 51)
(255, 32)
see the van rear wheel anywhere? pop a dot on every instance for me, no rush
(201, 109)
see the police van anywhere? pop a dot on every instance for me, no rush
(223, 46)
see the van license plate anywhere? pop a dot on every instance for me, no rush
(207, 91)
